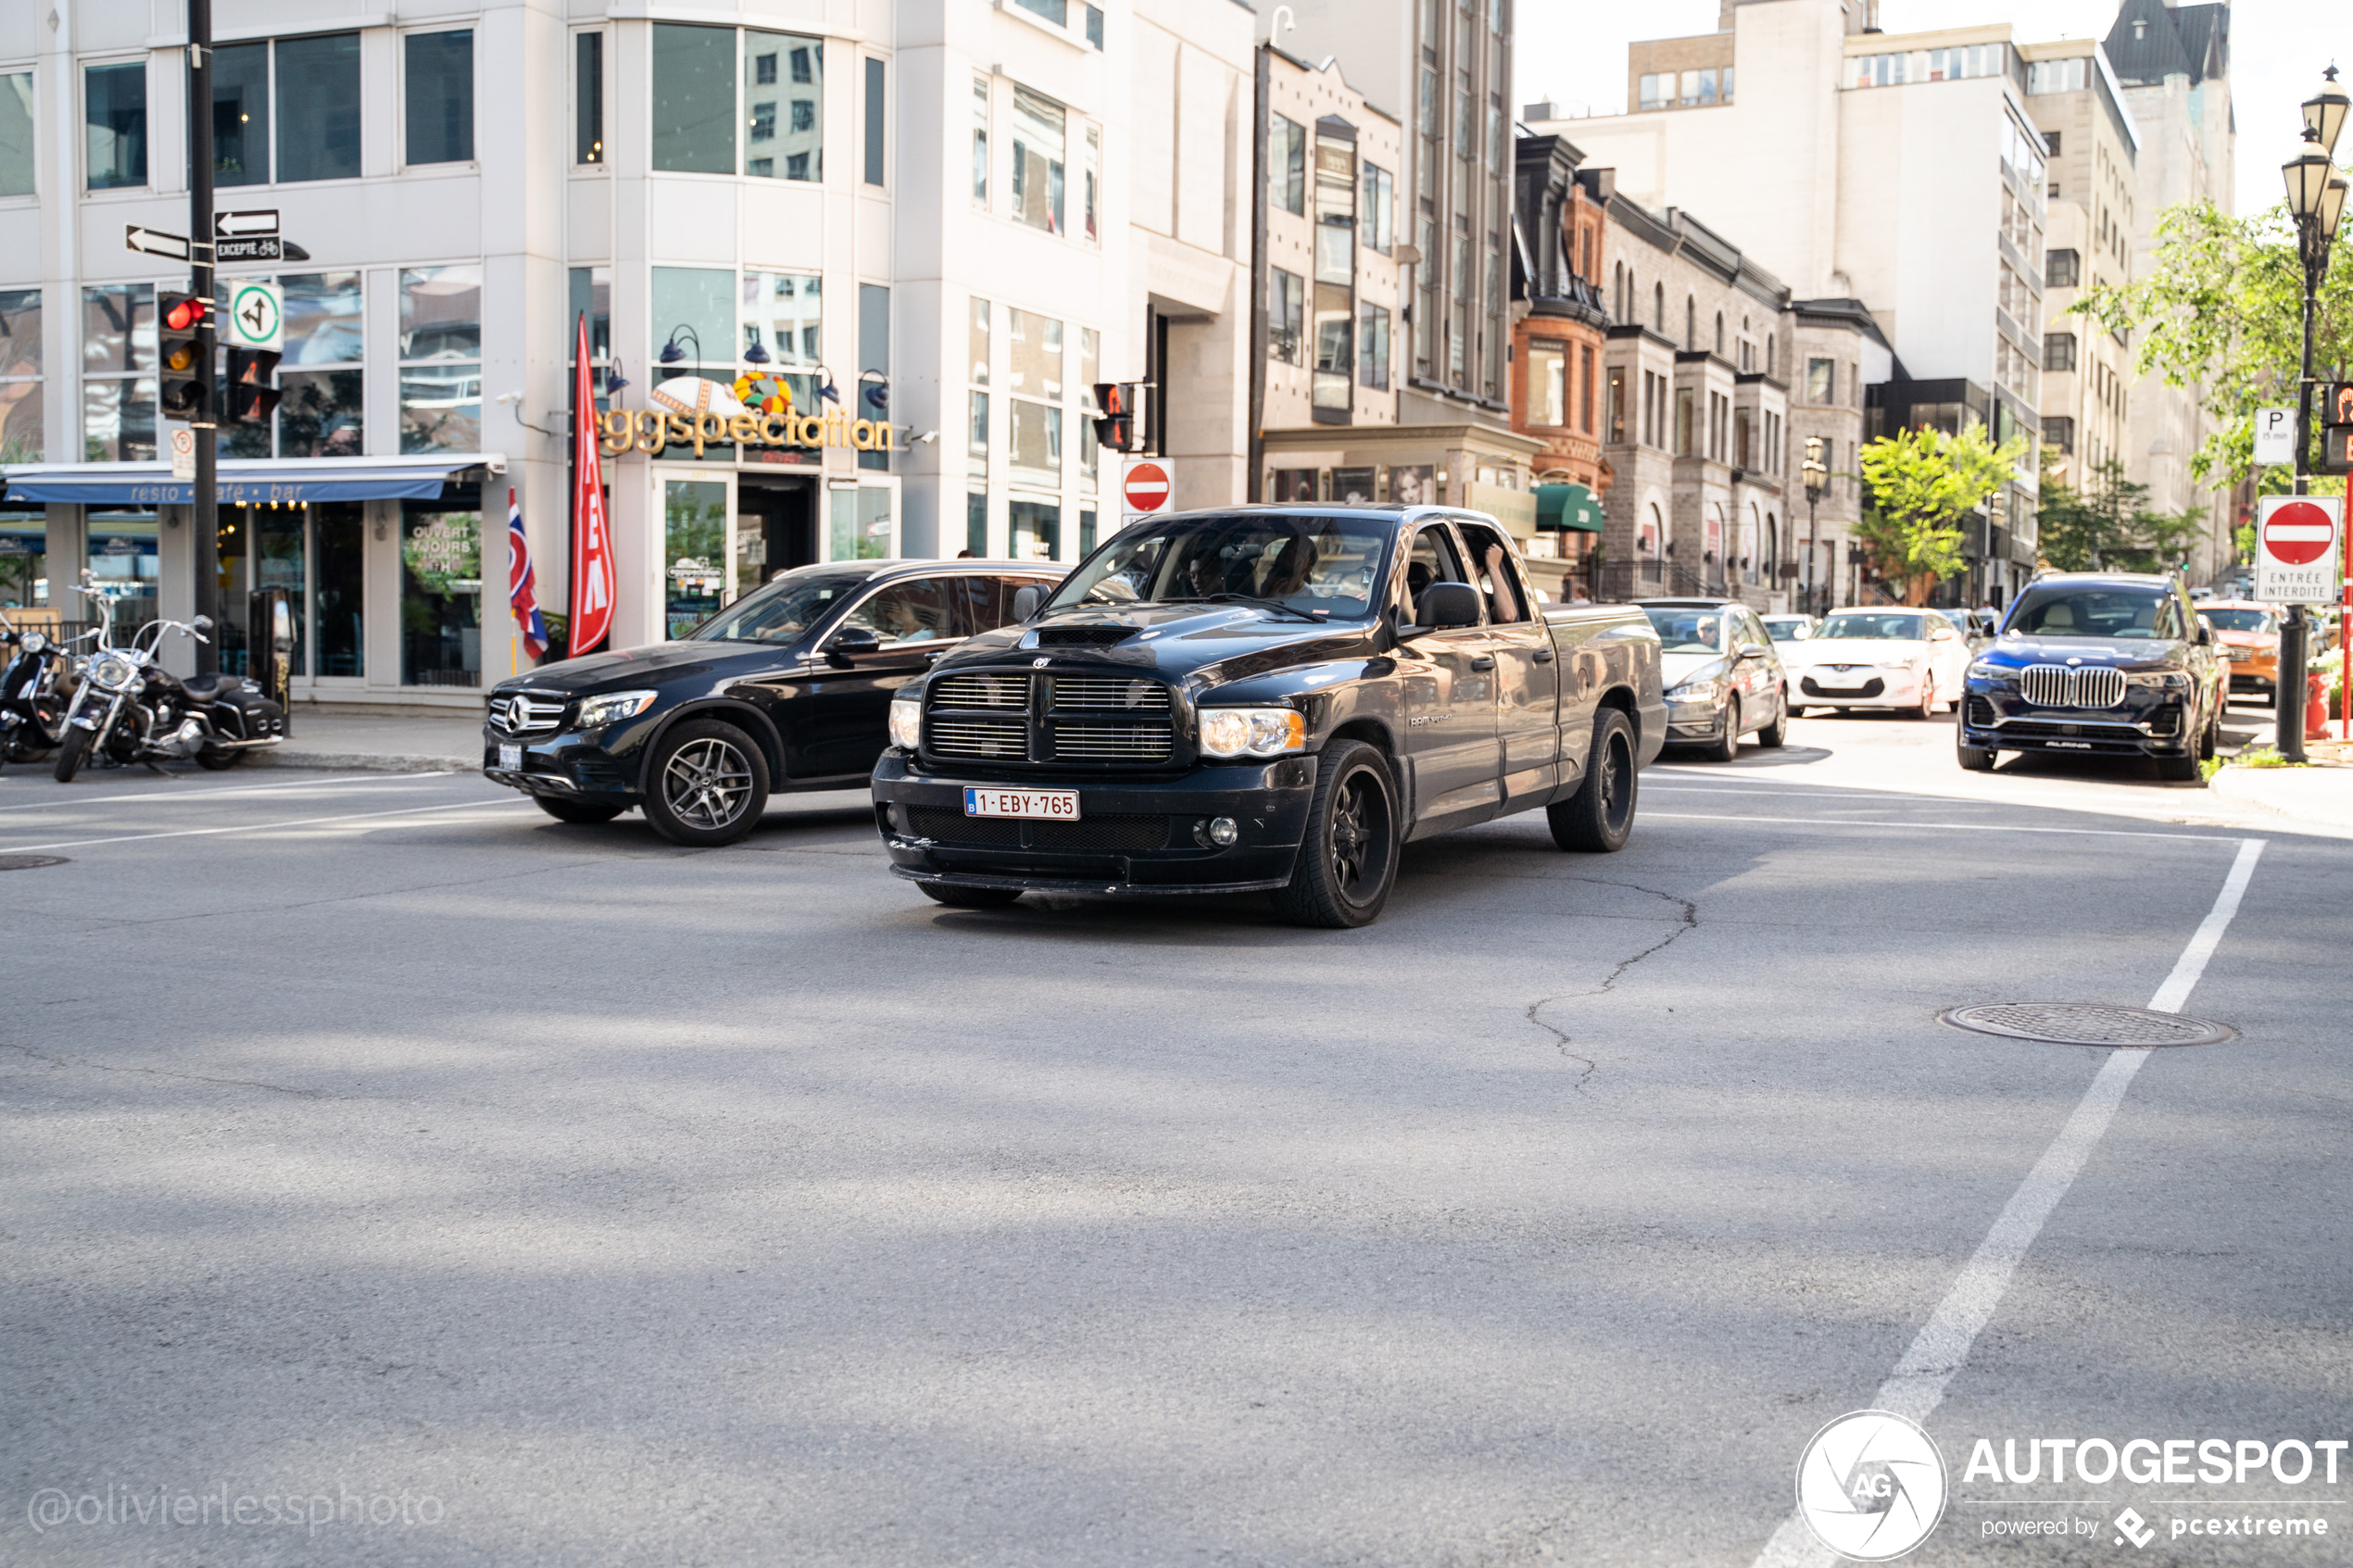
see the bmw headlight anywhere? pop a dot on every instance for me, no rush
(907, 721)
(1695, 691)
(113, 672)
(1252, 731)
(611, 709)
(2173, 680)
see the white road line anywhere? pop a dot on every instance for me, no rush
(1901, 825)
(66, 801)
(1917, 1386)
(254, 827)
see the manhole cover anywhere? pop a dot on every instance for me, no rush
(2078, 1023)
(29, 863)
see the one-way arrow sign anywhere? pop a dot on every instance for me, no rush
(155, 242)
(232, 225)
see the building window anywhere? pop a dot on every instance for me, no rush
(1372, 347)
(784, 312)
(784, 106)
(241, 114)
(874, 365)
(1040, 128)
(694, 99)
(1686, 438)
(118, 374)
(1056, 11)
(440, 92)
(1648, 95)
(1547, 383)
(319, 378)
(1089, 367)
(1617, 407)
(980, 141)
(591, 296)
(317, 128)
(1335, 330)
(1286, 315)
(2058, 351)
(1285, 165)
(976, 522)
(21, 434)
(1034, 376)
(1690, 323)
(1092, 192)
(1037, 530)
(1822, 381)
(2058, 431)
(2061, 269)
(16, 145)
(873, 122)
(1585, 390)
(976, 435)
(588, 98)
(441, 360)
(114, 124)
(1379, 223)
(440, 596)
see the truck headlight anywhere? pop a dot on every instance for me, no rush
(612, 707)
(1252, 731)
(907, 721)
(2171, 679)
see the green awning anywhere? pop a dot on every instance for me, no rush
(1563, 507)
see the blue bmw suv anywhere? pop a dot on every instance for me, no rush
(2113, 664)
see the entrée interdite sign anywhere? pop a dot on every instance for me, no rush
(651, 431)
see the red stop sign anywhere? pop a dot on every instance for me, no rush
(1145, 488)
(2298, 534)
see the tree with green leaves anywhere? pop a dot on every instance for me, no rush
(2221, 309)
(2110, 526)
(1922, 484)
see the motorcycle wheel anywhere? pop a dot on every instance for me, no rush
(71, 752)
(218, 759)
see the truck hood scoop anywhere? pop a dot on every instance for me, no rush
(1083, 636)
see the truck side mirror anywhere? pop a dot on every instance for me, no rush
(1448, 604)
(1026, 600)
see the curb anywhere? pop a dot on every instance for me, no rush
(364, 761)
(2233, 784)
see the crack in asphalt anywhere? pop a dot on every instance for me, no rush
(159, 1072)
(1687, 923)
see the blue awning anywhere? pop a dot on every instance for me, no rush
(255, 483)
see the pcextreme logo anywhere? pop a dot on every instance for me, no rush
(1871, 1485)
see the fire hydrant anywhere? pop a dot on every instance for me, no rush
(2316, 707)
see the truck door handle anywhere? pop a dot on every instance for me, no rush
(1543, 656)
(1484, 661)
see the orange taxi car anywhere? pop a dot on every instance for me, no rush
(2248, 636)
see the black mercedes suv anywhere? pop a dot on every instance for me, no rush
(2100, 663)
(789, 688)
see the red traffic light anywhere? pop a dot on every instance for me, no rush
(185, 314)
(1110, 398)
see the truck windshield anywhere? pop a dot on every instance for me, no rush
(1315, 566)
(2092, 612)
(783, 611)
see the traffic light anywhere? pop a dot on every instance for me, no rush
(2337, 428)
(252, 398)
(2339, 408)
(1115, 425)
(185, 358)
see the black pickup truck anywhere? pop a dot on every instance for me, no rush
(1267, 697)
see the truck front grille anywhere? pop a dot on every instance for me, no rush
(982, 691)
(1112, 743)
(994, 740)
(2061, 685)
(1038, 720)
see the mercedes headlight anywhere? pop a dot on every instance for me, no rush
(1252, 731)
(612, 707)
(907, 721)
(2170, 679)
(1695, 691)
(113, 672)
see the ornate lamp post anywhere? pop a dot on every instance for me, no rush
(1816, 475)
(2316, 199)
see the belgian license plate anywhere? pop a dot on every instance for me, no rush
(510, 758)
(1049, 805)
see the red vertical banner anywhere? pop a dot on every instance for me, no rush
(593, 577)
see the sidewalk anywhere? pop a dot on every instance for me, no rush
(391, 741)
(2319, 796)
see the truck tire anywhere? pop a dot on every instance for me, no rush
(1348, 858)
(71, 752)
(1599, 818)
(706, 784)
(957, 898)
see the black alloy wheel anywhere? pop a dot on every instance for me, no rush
(957, 898)
(1777, 733)
(584, 811)
(1727, 746)
(706, 784)
(1348, 859)
(1599, 818)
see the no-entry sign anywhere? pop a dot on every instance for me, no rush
(1145, 489)
(2297, 542)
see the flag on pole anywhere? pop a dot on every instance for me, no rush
(521, 585)
(593, 578)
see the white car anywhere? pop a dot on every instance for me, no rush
(1887, 657)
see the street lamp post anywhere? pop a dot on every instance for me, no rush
(2316, 198)
(1817, 476)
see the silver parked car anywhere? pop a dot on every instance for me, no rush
(1722, 675)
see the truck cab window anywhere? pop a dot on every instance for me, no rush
(1498, 579)
(1433, 559)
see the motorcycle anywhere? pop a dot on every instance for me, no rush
(129, 709)
(35, 689)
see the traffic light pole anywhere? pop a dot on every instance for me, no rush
(204, 515)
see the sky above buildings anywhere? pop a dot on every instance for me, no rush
(1574, 53)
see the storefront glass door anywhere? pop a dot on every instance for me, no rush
(697, 553)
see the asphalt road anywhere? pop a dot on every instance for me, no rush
(560, 1196)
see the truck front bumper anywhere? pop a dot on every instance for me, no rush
(1132, 835)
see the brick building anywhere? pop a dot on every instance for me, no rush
(1560, 338)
